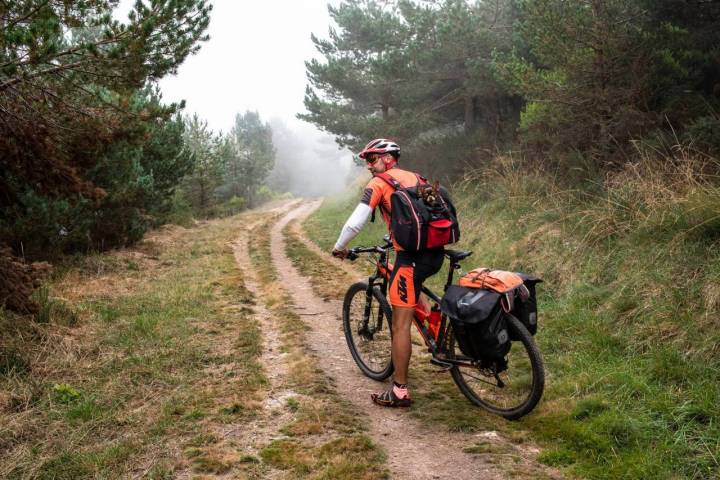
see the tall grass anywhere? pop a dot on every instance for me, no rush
(629, 311)
(630, 307)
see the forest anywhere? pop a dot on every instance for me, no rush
(574, 83)
(91, 157)
(580, 139)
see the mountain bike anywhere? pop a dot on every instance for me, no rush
(510, 387)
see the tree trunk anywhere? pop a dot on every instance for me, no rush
(202, 202)
(385, 111)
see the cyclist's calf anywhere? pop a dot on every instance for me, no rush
(401, 346)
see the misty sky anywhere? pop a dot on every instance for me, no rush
(254, 60)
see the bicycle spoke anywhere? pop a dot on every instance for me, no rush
(369, 338)
(520, 380)
(479, 379)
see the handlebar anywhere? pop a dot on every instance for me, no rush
(354, 253)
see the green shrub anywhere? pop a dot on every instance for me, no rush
(65, 394)
(705, 133)
(53, 310)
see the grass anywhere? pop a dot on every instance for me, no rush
(628, 313)
(326, 438)
(132, 353)
(325, 278)
(324, 225)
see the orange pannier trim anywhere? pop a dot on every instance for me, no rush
(497, 280)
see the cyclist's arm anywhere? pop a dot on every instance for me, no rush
(354, 224)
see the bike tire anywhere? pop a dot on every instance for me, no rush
(369, 345)
(523, 349)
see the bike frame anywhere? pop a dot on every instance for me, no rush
(381, 279)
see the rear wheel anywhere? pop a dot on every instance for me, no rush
(509, 388)
(367, 322)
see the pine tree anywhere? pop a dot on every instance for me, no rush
(206, 150)
(359, 91)
(411, 70)
(67, 71)
(251, 156)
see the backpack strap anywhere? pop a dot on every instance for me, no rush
(421, 180)
(393, 183)
(389, 180)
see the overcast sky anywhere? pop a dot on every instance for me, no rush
(254, 60)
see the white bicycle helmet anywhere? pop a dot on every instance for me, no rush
(380, 145)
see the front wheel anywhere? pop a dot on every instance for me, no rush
(509, 388)
(367, 322)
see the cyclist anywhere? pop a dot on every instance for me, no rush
(410, 269)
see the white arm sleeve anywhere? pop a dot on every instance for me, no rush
(354, 224)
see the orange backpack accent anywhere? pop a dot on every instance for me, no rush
(497, 280)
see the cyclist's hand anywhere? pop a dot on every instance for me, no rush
(341, 254)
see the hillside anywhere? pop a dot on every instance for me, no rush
(628, 314)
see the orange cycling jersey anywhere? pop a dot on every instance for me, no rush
(377, 194)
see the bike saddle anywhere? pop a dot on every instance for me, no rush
(457, 255)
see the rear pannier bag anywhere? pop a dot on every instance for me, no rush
(525, 310)
(478, 321)
(422, 217)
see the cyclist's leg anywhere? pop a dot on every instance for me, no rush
(403, 298)
(404, 291)
(401, 346)
(411, 270)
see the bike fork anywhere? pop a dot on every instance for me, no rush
(368, 306)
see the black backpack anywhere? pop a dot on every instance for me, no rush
(478, 321)
(422, 217)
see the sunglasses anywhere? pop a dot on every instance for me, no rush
(371, 159)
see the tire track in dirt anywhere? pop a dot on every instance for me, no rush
(414, 450)
(250, 436)
(266, 429)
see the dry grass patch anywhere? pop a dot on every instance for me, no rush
(326, 278)
(161, 347)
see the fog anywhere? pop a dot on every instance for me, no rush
(308, 164)
(254, 60)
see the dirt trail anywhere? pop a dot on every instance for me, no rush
(259, 432)
(414, 450)
(256, 433)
